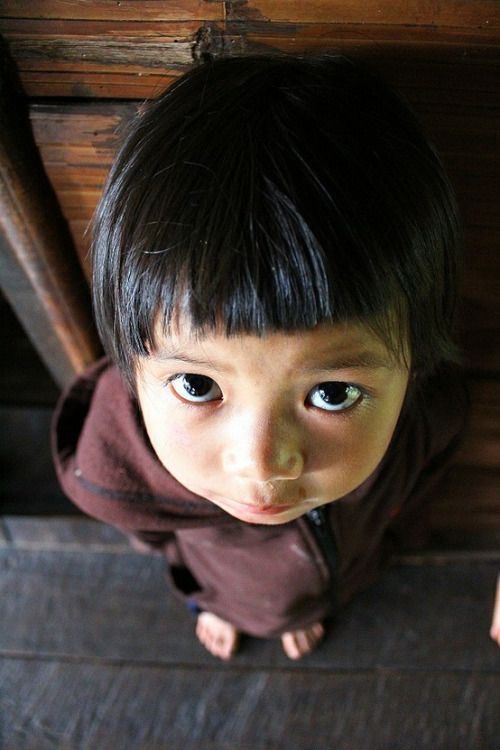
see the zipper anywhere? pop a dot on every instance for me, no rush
(317, 519)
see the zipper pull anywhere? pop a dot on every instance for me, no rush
(317, 516)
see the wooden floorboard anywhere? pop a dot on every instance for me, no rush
(63, 532)
(96, 653)
(85, 706)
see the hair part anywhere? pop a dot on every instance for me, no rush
(263, 194)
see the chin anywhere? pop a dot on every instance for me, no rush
(265, 521)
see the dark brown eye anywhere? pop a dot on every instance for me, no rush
(196, 388)
(334, 396)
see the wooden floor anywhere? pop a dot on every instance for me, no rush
(97, 654)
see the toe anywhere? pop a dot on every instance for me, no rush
(290, 646)
(298, 643)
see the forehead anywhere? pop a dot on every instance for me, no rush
(328, 345)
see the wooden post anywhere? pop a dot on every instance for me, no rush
(39, 270)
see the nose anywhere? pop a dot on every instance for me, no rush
(263, 450)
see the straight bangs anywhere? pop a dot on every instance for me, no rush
(281, 201)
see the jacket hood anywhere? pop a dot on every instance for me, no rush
(101, 452)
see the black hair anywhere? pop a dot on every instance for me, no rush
(274, 193)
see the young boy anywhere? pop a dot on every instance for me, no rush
(274, 266)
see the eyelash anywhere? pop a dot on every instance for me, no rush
(365, 395)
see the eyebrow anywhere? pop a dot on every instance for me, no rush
(367, 360)
(176, 356)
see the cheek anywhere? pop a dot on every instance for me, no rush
(348, 449)
(167, 438)
(182, 439)
(179, 439)
(179, 447)
(351, 453)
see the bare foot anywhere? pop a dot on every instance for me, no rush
(495, 624)
(218, 636)
(300, 642)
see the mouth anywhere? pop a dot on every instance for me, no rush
(259, 510)
(272, 510)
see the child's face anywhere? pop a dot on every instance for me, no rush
(269, 428)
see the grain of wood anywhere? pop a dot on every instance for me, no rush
(480, 13)
(110, 10)
(414, 12)
(62, 533)
(49, 28)
(101, 53)
(60, 704)
(99, 50)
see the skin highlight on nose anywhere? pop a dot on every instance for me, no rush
(265, 454)
(262, 466)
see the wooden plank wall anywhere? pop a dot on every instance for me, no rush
(86, 66)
